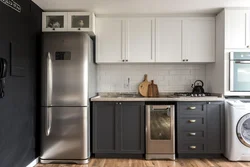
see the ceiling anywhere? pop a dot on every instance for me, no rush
(141, 6)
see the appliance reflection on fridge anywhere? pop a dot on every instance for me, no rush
(68, 81)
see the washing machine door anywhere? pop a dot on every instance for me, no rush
(243, 130)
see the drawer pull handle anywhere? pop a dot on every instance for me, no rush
(192, 121)
(192, 134)
(192, 147)
(191, 108)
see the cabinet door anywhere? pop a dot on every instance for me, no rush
(235, 27)
(54, 21)
(140, 40)
(104, 127)
(81, 21)
(248, 29)
(109, 40)
(168, 40)
(198, 43)
(131, 128)
(215, 127)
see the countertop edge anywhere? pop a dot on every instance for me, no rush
(98, 98)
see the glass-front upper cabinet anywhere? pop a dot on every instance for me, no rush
(81, 21)
(54, 21)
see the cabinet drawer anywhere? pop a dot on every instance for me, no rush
(192, 135)
(191, 147)
(192, 109)
(192, 123)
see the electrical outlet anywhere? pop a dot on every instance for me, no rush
(125, 86)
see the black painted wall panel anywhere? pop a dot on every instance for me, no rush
(19, 107)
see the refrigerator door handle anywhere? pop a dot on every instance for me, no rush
(49, 79)
(48, 121)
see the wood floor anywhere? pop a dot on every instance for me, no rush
(154, 163)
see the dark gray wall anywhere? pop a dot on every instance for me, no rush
(19, 106)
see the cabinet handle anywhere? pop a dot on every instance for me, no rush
(79, 28)
(192, 147)
(208, 102)
(183, 60)
(48, 121)
(192, 134)
(248, 46)
(123, 60)
(126, 60)
(53, 29)
(192, 121)
(191, 108)
(186, 59)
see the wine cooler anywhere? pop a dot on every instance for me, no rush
(160, 132)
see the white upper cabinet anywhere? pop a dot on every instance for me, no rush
(168, 40)
(110, 41)
(81, 21)
(124, 40)
(54, 21)
(248, 29)
(145, 40)
(140, 39)
(198, 43)
(69, 21)
(237, 29)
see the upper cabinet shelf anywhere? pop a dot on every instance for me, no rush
(81, 21)
(69, 21)
(54, 21)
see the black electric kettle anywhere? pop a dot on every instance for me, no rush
(198, 87)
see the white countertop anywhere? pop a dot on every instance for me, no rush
(207, 98)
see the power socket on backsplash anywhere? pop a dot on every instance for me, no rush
(127, 85)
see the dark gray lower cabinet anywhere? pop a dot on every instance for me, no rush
(118, 128)
(104, 127)
(200, 128)
(215, 127)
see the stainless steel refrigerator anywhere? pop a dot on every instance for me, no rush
(68, 81)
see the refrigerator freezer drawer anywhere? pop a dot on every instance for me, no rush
(65, 133)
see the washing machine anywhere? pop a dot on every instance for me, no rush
(237, 117)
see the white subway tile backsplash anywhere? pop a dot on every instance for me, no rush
(179, 72)
(168, 77)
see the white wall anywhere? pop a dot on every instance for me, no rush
(168, 77)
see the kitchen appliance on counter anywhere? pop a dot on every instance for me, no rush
(160, 132)
(191, 94)
(68, 81)
(239, 72)
(198, 87)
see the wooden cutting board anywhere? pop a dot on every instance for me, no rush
(153, 90)
(143, 87)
